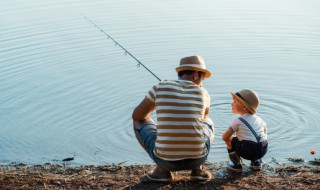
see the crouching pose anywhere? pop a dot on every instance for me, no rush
(183, 134)
(250, 141)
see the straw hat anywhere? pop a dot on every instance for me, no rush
(248, 98)
(193, 63)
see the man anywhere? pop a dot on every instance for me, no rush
(184, 132)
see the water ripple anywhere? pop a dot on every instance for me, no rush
(68, 90)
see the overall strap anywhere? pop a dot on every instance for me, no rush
(249, 126)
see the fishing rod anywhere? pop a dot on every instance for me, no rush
(117, 44)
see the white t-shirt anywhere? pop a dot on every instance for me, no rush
(244, 133)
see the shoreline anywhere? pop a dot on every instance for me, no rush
(293, 175)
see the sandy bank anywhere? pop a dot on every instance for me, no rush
(294, 175)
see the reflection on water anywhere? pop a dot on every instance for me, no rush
(67, 90)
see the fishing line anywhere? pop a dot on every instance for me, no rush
(117, 44)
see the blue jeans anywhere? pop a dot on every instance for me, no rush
(148, 135)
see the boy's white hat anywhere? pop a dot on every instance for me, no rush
(248, 98)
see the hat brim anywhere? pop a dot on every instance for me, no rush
(253, 111)
(207, 73)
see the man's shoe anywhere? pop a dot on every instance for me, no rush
(159, 175)
(256, 165)
(200, 174)
(234, 167)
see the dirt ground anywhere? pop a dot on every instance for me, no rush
(296, 174)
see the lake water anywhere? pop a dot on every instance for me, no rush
(66, 89)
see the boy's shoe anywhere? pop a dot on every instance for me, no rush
(159, 175)
(256, 165)
(200, 174)
(234, 157)
(234, 167)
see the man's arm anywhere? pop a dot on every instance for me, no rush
(206, 113)
(143, 110)
(207, 109)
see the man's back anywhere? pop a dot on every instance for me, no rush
(180, 107)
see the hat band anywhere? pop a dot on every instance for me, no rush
(241, 97)
(192, 65)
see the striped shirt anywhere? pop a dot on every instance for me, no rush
(180, 107)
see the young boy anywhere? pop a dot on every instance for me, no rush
(250, 144)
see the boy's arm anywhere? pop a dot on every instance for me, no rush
(227, 134)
